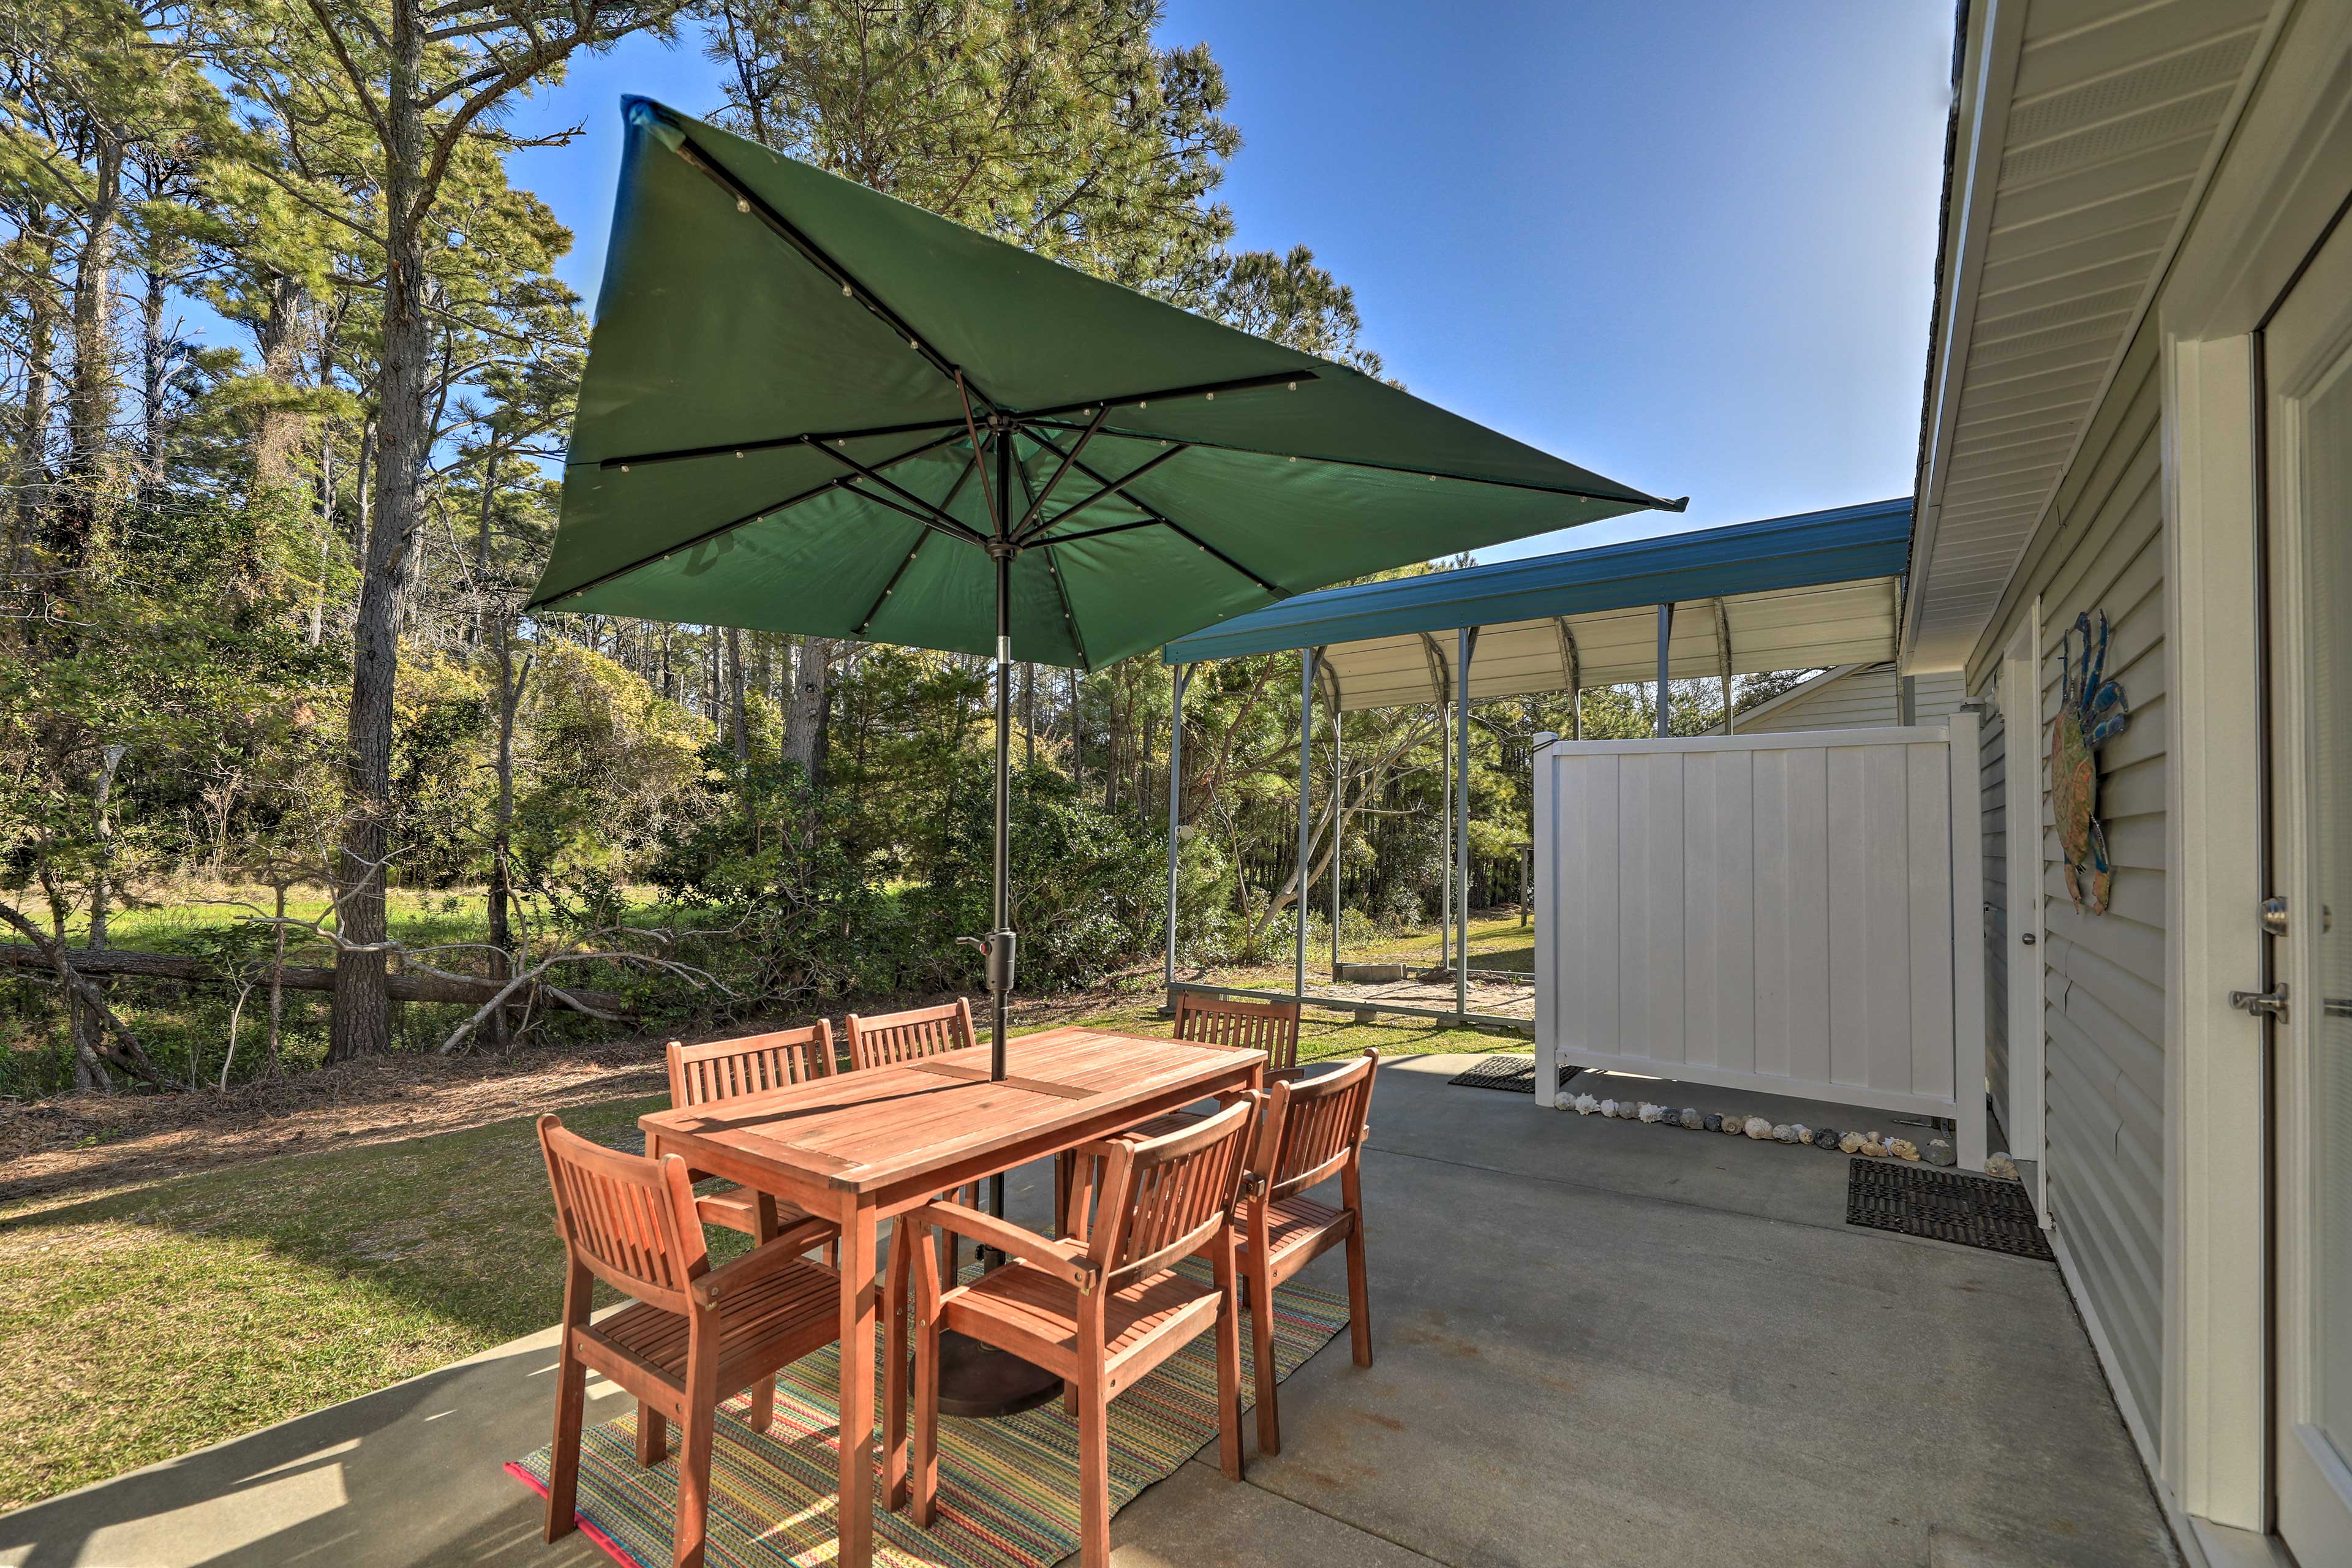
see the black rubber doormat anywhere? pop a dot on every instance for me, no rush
(1505, 1071)
(1915, 1200)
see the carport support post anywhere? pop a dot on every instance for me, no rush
(1665, 634)
(1306, 798)
(1178, 680)
(1446, 835)
(1547, 1020)
(1466, 642)
(1339, 799)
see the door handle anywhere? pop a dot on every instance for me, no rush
(2260, 1003)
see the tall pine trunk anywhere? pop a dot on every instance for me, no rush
(27, 490)
(362, 1025)
(735, 694)
(91, 401)
(807, 718)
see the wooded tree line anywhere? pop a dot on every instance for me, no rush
(286, 371)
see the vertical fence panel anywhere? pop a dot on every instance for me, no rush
(1719, 909)
(1650, 952)
(1772, 911)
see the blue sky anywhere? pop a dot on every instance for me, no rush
(1689, 244)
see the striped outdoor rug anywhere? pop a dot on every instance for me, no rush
(1008, 1488)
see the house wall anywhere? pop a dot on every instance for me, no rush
(1867, 696)
(1992, 777)
(2102, 977)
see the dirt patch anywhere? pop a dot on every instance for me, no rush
(76, 1143)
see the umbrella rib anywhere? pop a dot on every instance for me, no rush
(1654, 502)
(879, 599)
(789, 233)
(946, 522)
(954, 490)
(849, 486)
(1061, 589)
(1153, 514)
(1097, 532)
(1068, 512)
(770, 444)
(1037, 501)
(708, 535)
(1198, 389)
(997, 505)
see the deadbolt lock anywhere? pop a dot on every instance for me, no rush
(2260, 1003)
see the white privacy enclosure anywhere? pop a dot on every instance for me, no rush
(1782, 912)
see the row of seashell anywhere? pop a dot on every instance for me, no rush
(1757, 1126)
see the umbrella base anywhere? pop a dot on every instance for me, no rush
(978, 1380)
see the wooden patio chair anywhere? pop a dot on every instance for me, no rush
(695, 1335)
(1268, 1026)
(1312, 1130)
(722, 1070)
(891, 1037)
(909, 1035)
(1103, 1310)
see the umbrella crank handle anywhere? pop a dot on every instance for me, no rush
(996, 952)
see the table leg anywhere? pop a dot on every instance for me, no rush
(858, 1244)
(763, 1413)
(903, 1234)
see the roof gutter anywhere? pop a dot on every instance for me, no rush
(1991, 34)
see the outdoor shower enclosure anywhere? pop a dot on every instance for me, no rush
(1789, 913)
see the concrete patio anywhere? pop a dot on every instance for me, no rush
(1599, 1342)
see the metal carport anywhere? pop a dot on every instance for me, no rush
(1788, 593)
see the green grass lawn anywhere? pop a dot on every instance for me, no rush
(145, 1322)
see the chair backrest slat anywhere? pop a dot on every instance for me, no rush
(910, 1036)
(730, 1069)
(1163, 1198)
(629, 1219)
(1268, 1026)
(1316, 1126)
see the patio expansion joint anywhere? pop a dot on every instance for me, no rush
(1339, 1519)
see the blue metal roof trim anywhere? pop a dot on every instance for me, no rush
(1841, 546)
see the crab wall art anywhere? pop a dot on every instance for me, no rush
(2091, 710)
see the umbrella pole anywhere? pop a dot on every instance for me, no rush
(1001, 939)
(978, 1380)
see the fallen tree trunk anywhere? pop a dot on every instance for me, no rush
(410, 987)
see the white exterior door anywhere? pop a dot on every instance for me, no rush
(2308, 392)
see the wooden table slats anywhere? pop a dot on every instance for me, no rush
(861, 1146)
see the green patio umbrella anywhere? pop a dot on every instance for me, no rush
(809, 407)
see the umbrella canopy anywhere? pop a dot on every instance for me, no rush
(809, 407)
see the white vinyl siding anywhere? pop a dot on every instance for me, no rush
(1863, 698)
(2102, 975)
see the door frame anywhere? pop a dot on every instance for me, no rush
(2276, 188)
(2312, 1483)
(2021, 786)
(2215, 1418)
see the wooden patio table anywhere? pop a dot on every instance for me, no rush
(862, 1147)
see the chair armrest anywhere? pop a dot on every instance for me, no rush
(1284, 1075)
(762, 1260)
(1065, 1260)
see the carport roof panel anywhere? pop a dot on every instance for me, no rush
(1847, 544)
